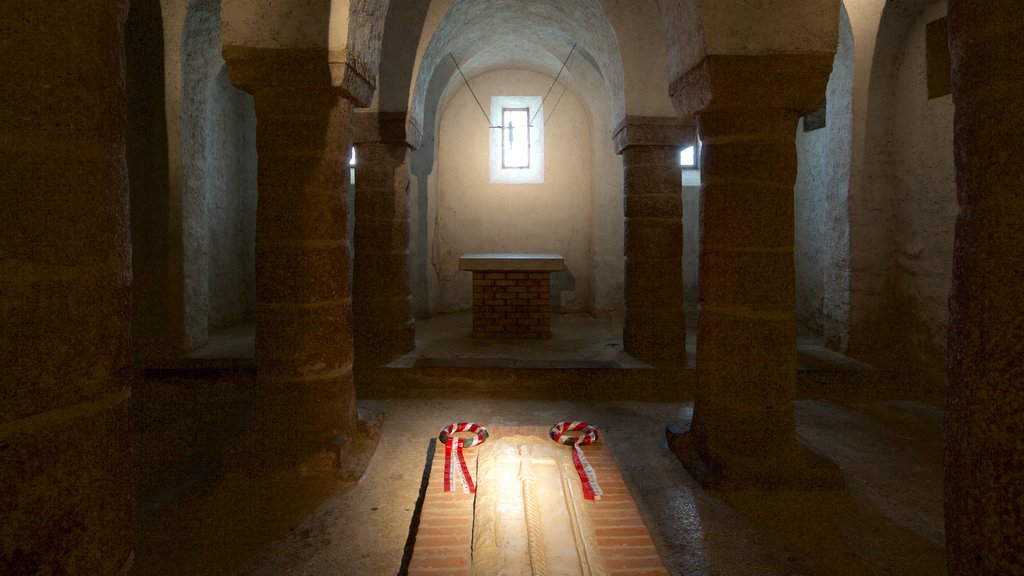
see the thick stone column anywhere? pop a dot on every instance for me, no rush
(66, 492)
(381, 295)
(305, 411)
(747, 108)
(655, 322)
(984, 447)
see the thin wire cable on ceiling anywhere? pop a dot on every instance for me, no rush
(560, 94)
(486, 116)
(539, 108)
(564, 62)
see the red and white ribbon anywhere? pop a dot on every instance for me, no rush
(591, 489)
(459, 475)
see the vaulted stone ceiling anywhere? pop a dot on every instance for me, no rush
(487, 35)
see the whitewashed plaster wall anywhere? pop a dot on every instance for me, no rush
(923, 202)
(860, 281)
(809, 222)
(230, 194)
(608, 275)
(901, 191)
(465, 26)
(640, 32)
(475, 215)
(199, 56)
(636, 50)
(211, 166)
(820, 196)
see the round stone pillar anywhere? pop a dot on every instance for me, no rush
(381, 295)
(984, 446)
(305, 407)
(67, 503)
(655, 322)
(747, 108)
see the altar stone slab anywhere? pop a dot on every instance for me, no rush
(512, 262)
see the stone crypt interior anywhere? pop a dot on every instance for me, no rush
(255, 254)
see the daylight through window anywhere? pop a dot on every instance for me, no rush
(516, 145)
(515, 141)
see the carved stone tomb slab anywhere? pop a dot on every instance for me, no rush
(529, 516)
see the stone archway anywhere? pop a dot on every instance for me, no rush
(822, 191)
(540, 40)
(214, 219)
(902, 214)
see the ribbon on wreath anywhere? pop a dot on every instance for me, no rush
(591, 489)
(458, 475)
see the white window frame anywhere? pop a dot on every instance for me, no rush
(534, 173)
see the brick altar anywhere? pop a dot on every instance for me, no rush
(512, 293)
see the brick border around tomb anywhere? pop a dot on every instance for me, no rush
(443, 541)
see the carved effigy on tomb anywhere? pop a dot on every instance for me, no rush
(529, 514)
(525, 501)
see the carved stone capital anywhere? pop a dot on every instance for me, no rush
(653, 131)
(353, 76)
(377, 126)
(721, 82)
(253, 69)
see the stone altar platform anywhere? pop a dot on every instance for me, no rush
(488, 533)
(512, 293)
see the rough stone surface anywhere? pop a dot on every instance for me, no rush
(231, 205)
(215, 220)
(655, 321)
(304, 401)
(820, 203)
(381, 298)
(902, 202)
(67, 506)
(654, 131)
(742, 429)
(924, 207)
(697, 30)
(984, 485)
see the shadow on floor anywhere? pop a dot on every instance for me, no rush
(195, 519)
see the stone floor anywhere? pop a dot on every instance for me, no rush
(888, 445)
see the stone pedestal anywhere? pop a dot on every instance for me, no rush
(381, 294)
(747, 108)
(305, 414)
(655, 321)
(67, 503)
(984, 415)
